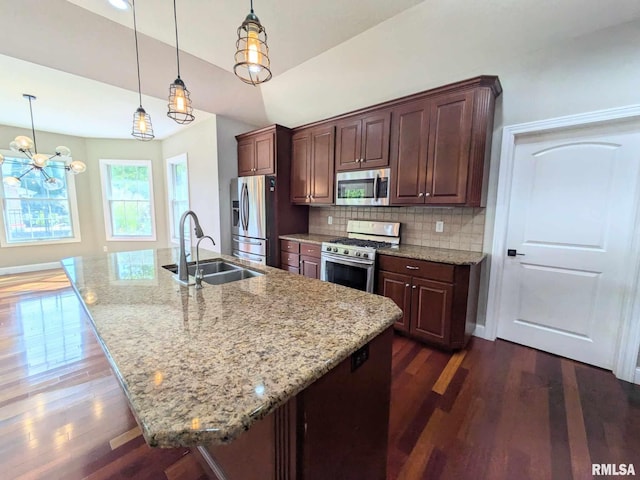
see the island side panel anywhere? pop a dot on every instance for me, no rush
(346, 415)
(335, 429)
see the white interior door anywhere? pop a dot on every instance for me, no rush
(571, 219)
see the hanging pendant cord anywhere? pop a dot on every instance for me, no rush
(135, 32)
(175, 21)
(251, 6)
(33, 130)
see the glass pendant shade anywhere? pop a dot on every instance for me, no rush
(77, 166)
(11, 181)
(13, 146)
(1, 158)
(180, 108)
(252, 53)
(52, 184)
(63, 151)
(142, 128)
(40, 160)
(23, 143)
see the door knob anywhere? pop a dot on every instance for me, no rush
(512, 253)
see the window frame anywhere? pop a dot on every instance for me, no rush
(105, 182)
(72, 199)
(170, 163)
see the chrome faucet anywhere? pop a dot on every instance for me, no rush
(198, 274)
(183, 274)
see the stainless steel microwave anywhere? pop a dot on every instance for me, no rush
(363, 187)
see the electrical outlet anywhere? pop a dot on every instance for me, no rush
(330, 220)
(105, 249)
(439, 227)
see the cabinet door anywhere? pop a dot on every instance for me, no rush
(375, 140)
(246, 155)
(409, 137)
(348, 138)
(310, 266)
(431, 304)
(300, 154)
(264, 155)
(397, 287)
(451, 118)
(321, 164)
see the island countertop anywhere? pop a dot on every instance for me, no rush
(200, 366)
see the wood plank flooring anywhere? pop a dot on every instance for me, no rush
(493, 411)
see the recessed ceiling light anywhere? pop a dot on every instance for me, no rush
(120, 4)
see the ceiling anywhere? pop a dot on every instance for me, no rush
(81, 63)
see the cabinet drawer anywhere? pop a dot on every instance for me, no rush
(292, 259)
(417, 268)
(289, 246)
(290, 268)
(310, 249)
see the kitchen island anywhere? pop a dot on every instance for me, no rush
(276, 376)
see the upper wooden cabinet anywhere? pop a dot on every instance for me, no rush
(363, 141)
(439, 143)
(312, 165)
(258, 151)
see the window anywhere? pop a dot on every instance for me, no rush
(177, 194)
(127, 195)
(33, 214)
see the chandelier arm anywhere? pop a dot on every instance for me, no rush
(25, 172)
(175, 21)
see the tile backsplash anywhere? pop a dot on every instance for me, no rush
(463, 226)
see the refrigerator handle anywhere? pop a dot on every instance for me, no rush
(245, 205)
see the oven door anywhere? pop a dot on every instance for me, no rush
(363, 187)
(345, 271)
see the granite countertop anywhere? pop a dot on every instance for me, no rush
(440, 255)
(308, 237)
(200, 366)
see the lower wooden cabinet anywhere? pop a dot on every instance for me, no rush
(438, 301)
(302, 258)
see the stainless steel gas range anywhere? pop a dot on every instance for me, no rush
(351, 260)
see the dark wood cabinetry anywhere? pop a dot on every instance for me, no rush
(439, 143)
(258, 151)
(312, 165)
(438, 301)
(363, 141)
(302, 258)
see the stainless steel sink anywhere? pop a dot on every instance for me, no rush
(217, 272)
(229, 276)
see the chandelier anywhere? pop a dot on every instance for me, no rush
(252, 53)
(38, 161)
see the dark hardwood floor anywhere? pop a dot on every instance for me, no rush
(494, 411)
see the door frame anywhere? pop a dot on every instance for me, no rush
(628, 341)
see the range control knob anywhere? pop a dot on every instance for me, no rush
(346, 252)
(358, 254)
(335, 249)
(328, 249)
(365, 255)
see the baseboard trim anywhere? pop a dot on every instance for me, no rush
(29, 268)
(636, 380)
(480, 331)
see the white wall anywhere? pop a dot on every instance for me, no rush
(200, 143)
(227, 129)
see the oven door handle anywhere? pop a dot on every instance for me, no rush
(376, 186)
(346, 260)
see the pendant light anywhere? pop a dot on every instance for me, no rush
(38, 162)
(252, 53)
(142, 128)
(180, 108)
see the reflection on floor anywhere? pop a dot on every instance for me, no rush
(494, 411)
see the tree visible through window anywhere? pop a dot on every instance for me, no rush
(128, 199)
(33, 213)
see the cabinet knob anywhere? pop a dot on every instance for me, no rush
(356, 160)
(427, 194)
(407, 285)
(421, 194)
(363, 160)
(311, 197)
(413, 286)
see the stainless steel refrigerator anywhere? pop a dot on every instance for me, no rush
(261, 211)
